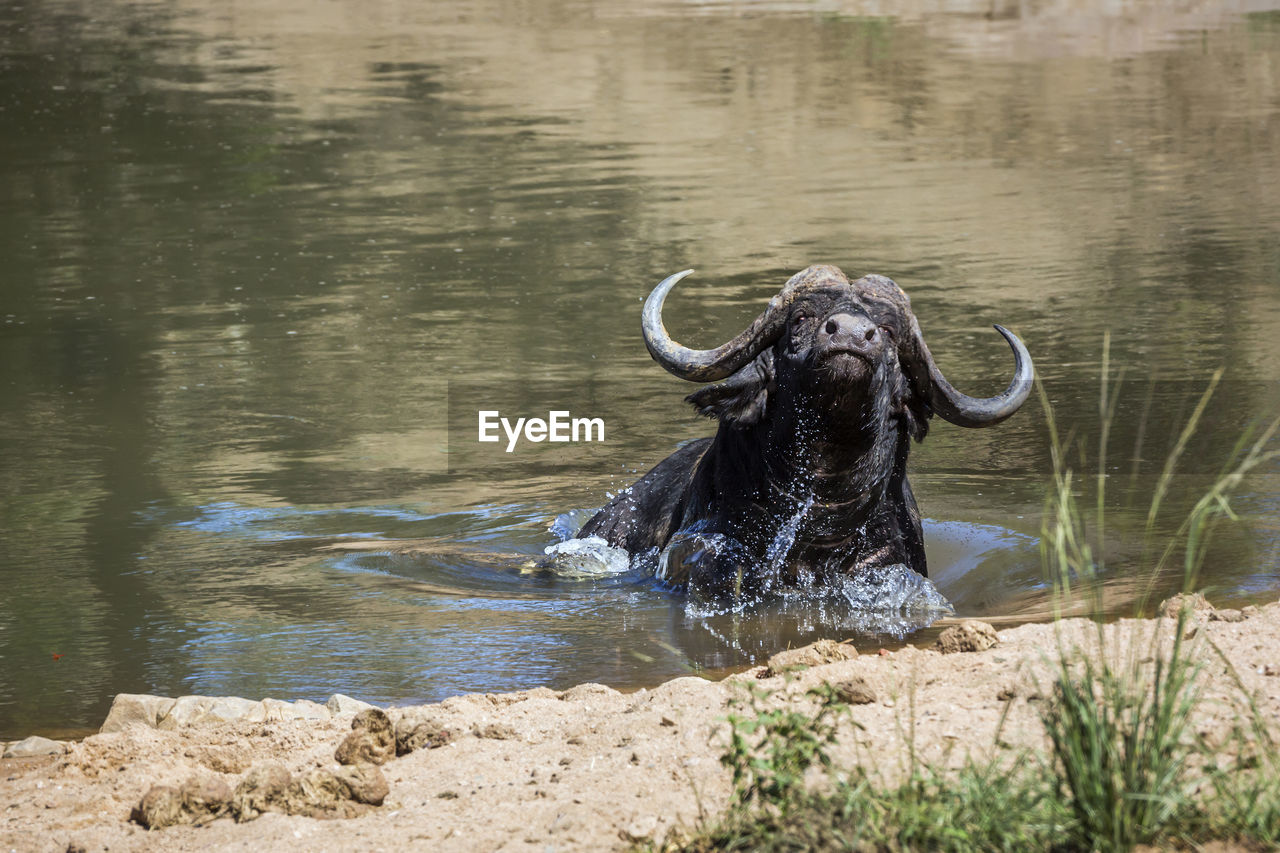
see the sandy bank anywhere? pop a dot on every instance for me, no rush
(584, 769)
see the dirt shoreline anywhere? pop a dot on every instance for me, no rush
(590, 768)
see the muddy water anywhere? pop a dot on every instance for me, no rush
(252, 252)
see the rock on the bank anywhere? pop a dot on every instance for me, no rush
(193, 710)
(34, 746)
(136, 709)
(161, 712)
(339, 704)
(372, 739)
(969, 636)
(814, 654)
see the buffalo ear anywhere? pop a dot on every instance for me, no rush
(743, 398)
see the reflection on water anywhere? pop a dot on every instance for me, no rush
(250, 248)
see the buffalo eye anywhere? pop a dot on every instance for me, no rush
(796, 337)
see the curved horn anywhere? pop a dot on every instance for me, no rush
(963, 410)
(710, 365)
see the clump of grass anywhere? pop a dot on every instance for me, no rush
(1119, 713)
(773, 748)
(980, 807)
(1118, 738)
(1242, 803)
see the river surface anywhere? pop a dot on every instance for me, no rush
(257, 257)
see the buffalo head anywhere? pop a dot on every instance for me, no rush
(822, 323)
(818, 400)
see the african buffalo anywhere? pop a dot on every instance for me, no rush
(805, 480)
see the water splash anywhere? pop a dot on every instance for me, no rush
(894, 587)
(785, 538)
(567, 524)
(591, 557)
(893, 600)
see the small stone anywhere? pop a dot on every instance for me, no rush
(579, 692)
(34, 746)
(501, 700)
(159, 807)
(204, 710)
(413, 733)
(365, 783)
(264, 789)
(371, 720)
(136, 709)
(814, 654)
(969, 636)
(1194, 602)
(855, 691)
(317, 793)
(685, 690)
(496, 731)
(205, 798)
(640, 829)
(303, 709)
(340, 704)
(223, 759)
(1271, 669)
(372, 739)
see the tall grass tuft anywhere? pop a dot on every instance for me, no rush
(1119, 711)
(1118, 735)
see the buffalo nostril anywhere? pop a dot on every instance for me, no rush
(871, 333)
(832, 327)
